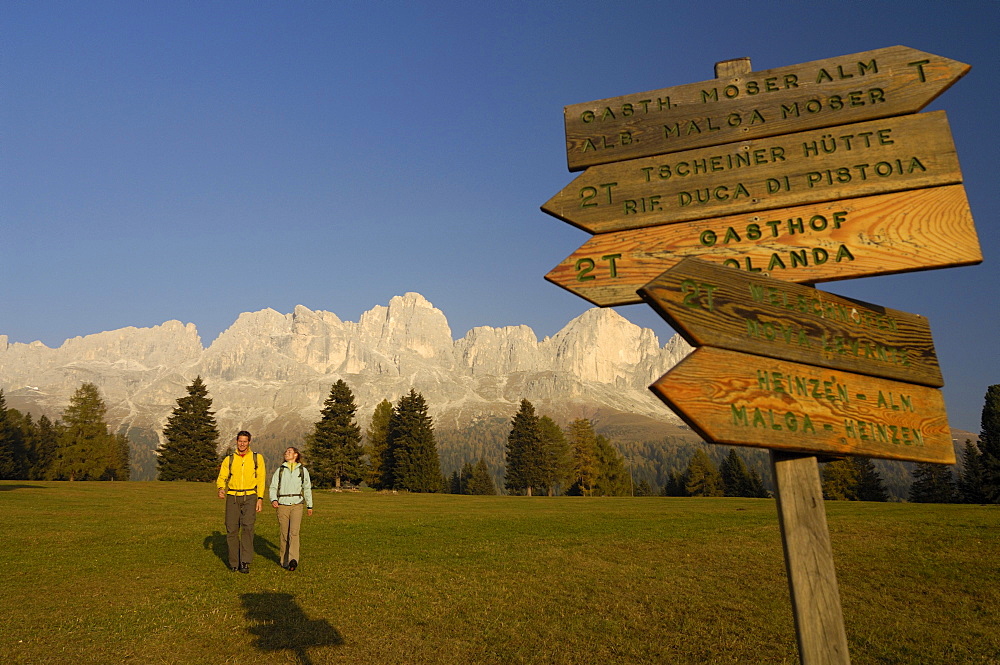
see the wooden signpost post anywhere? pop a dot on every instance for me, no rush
(797, 410)
(759, 175)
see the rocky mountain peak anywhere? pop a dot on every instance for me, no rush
(269, 369)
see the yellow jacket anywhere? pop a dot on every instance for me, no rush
(242, 478)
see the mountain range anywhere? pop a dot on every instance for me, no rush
(270, 373)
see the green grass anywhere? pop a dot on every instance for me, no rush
(135, 572)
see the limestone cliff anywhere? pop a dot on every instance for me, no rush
(274, 370)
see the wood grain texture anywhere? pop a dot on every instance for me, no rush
(812, 578)
(884, 234)
(742, 104)
(888, 155)
(746, 400)
(711, 305)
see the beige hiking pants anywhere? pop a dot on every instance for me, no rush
(289, 522)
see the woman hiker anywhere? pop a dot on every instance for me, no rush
(291, 489)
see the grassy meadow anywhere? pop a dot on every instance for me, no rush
(136, 572)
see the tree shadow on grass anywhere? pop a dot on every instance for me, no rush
(216, 542)
(278, 623)
(8, 488)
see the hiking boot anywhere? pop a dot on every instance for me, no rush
(293, 564)
(244, 568)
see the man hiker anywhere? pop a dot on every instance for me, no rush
(241, 484)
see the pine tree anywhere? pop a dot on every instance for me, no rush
(190, 451)
(13, 457)
(27, 432)
(970, 478)
(480, 481)
(643, 488)
(41, 443)
(840, 480)
(375, 443)
(740, 480)
(756, 486)
(411, 453)
(465, 478)
(702, 478)
(932, 483)
(524, 459)
(869, 486)
(674, 485)
(119, 468)
(613, 479)
(455, 483)
(583, 449)
(556, 459)
(334, 447)
(87, 450)
(989, 444)
(735, 475)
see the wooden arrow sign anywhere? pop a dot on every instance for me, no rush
(893, 154)
(744, 400)
(862, 237)
(711, 305)
(851, 88)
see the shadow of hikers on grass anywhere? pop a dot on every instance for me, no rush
(278, 623)
(262, 547)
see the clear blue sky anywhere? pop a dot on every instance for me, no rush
(195, 160)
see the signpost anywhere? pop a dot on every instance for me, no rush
(750, 105)
(810, 173)
(710, 305)
(862, 237)
(745, 400)
(887, 155)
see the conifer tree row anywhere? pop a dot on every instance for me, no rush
(932, 483)
(978, 471)
(28, 448)
(852, 479)
(701, 478)
(13, 455)
(540, 457)
(472, 480)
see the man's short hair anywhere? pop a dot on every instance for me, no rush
(246, 434)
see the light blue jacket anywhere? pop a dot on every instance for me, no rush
(293, 490)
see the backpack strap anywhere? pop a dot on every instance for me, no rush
(302, 482)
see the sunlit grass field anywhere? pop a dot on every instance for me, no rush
(136, 572)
